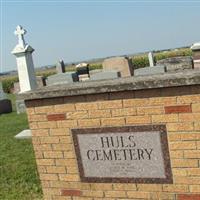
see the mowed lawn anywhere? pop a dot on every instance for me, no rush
(18, 175)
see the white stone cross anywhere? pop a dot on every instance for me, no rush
(20, 32)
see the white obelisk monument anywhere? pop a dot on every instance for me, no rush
(25, 66)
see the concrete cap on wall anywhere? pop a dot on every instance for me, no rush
(183, 78)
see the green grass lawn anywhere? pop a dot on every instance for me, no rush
(18, 174)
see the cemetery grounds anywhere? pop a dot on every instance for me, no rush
(18, 174)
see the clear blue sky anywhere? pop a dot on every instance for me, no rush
(81, 30)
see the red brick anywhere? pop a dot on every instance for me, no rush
(178, 109)
(188, 196)
(56, 117)
(71, 192)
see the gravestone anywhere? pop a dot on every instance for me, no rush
(25, 134)
(16, 88)
(5, 104)
(20, 105)
(196, 54)
(63, 78)
(177, 63)
(104, 75)
(94, 71)
(151, 59)
(23, 53)
(152, 69)
(82, 70)
(60, 67)
(121, 64)
(41, 81)
(158, 69)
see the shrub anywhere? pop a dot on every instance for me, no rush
(70, 68)
(91, 67)
(95, 66)
(142, 60)
(8, 84)
(46, 74)
(174, 53)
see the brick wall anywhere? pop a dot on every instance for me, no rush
(52, 119)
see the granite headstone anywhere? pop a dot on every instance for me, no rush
(158, 69)
(94, 71)
(62, 78)
(20, 105)
(177, 63)
(121, 64)
(82, 70)
(60, 67)
(16, 88)
(103, 75)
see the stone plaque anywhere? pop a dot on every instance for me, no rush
(136, 154)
